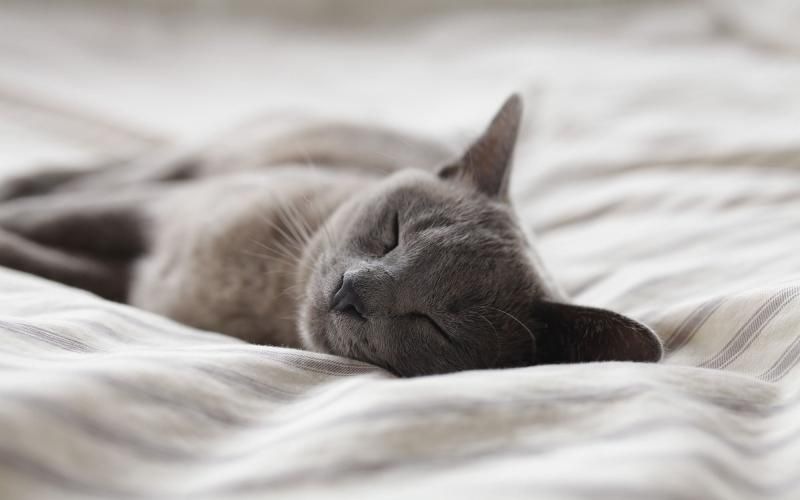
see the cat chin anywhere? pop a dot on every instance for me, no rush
(326, 332)
(339, 332)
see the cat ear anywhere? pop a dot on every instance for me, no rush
(486, 165)
(576, 334)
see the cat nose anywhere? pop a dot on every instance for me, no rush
(346, 299)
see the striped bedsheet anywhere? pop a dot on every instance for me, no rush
(103, 401)
(659, 166)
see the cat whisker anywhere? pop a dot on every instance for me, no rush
(320, 213)
(301, 222)
(290, 232)
(520, 323)
(309, 231)
(292, 289)
(321, 216)
(273, 255)
(283, 232)
(264, 256)
(496, 339)
(277, 247)
(280, 254)
(281, 272)
(293, 220)
(327, 234)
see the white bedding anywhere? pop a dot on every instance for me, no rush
(660, 166)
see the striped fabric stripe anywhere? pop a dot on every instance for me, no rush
(756, 324)
(689, 326)
(784, 364)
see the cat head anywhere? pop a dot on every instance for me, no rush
(430, 272)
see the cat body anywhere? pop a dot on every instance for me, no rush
(363, 243)
(244, 234)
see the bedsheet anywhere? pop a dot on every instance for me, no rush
(659, 165)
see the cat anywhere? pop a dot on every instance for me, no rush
(361, 243)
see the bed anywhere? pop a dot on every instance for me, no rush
(659, 167)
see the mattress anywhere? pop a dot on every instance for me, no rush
(659, 166)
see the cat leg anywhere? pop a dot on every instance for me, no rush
(107, 225)
(36, 183)
(86, 240)
(170, 164)
(106, 278)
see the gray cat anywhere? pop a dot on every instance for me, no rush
(321, 239)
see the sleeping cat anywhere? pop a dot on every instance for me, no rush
(324, 239)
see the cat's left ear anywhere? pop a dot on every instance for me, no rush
(486, 165)
(577, 334)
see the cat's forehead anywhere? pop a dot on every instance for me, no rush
(451, 230)
(430, 201)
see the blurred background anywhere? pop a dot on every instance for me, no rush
(84, 79)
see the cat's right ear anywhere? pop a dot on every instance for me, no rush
(577, 334)
(486, 165)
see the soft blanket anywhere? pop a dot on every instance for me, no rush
(660, 167)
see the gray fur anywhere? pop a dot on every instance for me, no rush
(419, 270)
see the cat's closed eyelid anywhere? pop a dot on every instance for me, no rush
(394, 241)
(436, 326)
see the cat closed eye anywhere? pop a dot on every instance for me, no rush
(394, 235)
(435, 326)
